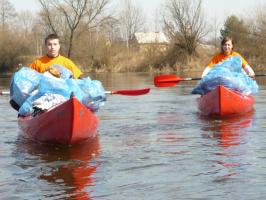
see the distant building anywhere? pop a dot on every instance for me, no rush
(148, 40)
(151, 37)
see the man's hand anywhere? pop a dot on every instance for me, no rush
(54, 72)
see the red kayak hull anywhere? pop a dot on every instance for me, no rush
(223, 101)
(68, 123)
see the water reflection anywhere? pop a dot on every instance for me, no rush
(71, 168)
(231, 135)
(229, 131)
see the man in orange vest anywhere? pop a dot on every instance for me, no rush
(53, 57)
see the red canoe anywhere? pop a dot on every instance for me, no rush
(223, 101)
(68, 123)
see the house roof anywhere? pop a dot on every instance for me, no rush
(150, 37)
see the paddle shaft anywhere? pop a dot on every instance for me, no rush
(191, 79)
(260, 74)
(194, 79)
(121, 92)
(170, 80)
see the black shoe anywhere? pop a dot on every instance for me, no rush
(14, 105)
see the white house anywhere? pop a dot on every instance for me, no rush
(147, 40)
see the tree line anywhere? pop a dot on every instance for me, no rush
(101, 38)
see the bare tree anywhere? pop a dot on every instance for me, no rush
(259, 23)
(131, 20)
(67, 17)
(7, 12)
(25, 22)
(258, 38)
(215, 30)
(185, 23)
(112, 29)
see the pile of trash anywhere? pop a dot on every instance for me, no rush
(32, 90)
(230, 74)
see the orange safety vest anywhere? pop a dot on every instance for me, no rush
(221, 57)
(42, 64)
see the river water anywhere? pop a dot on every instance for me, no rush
(155, 146)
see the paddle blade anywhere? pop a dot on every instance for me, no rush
(132, 92)
(167, 80)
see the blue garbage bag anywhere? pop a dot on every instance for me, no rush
(230, 74)
(28, 85)
(23, 84)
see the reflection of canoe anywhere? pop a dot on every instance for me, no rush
(232, 134)
(223, 102)
(230, 131)
(70, 168)
(68, 123)
(233, 130)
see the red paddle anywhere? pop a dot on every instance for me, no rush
(130, 92)
(121, 92)
(170, 80)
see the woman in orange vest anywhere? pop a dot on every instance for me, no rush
(227, 46)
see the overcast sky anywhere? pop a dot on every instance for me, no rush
(214, 9)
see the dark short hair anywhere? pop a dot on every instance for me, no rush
(51, 36)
